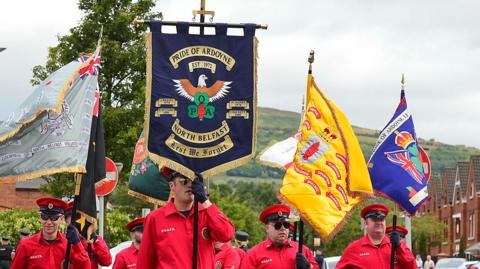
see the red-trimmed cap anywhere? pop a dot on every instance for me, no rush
(403, 231)
(377, 211)
(51, 205)
(68, 209)
(135, 224)
(274, 213)
(169, 173)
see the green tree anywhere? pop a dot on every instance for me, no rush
(426, 231)
(12, 220)
(122, 76)
(244, 218)
(115, 231)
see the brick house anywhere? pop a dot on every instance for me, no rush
(473, 207)
(455, 202)
(20, 194)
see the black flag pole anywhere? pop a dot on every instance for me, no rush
(78, 182)
(300, 236)
(195, 200)
(394, 229)
(300, 222)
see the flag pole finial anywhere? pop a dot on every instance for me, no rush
(402, 82)
(311, 58)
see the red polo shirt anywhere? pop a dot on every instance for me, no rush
(167, 240)
(126, 258)
(227, 258)
(240, 252)
(266, 254)
(35, 253)
(100, 253)
(363, 254)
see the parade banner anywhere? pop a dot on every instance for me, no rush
(329, 175)
(50, 131)
(200, 99)
(397, 165)
(146, 181)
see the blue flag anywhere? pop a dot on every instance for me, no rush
(201, 99)
(398, 165)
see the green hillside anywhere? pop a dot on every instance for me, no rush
(275, 125)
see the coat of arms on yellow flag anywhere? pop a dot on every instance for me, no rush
(329, 172)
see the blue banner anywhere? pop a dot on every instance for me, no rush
(397, 165)
(201, 99)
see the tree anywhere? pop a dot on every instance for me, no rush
(122, 76)
(116, 229)
(15, 219)
(426, 231)
(241, 214)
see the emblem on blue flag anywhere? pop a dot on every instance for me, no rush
(200, 99)
(399, 168)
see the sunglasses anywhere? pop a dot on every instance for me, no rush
(46, 217)
(278, 225)
(184, 181)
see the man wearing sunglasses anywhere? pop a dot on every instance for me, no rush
(168, 234)
(278, 251)
(127, 258)
(374, 249)
(97, 249)
(47, 248)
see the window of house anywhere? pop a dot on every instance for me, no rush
(445, 230)
(471, 225)
(472, 190)
(457, 228)
(457, 197)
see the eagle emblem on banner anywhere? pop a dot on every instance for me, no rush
(201, 100)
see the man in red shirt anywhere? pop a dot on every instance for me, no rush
(47, 248)
(97, 250)
(226, 257)
(168, 235)
(127, 258)
(278, 251)
(374, 249)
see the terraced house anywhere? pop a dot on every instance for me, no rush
(455, 202)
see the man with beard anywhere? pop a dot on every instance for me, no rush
(168, 235)
(127, 258)
(374, 249)
(278, 251)
(47, 248)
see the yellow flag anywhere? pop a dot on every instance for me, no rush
(329, 170)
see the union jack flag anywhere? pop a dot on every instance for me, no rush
(93, 66)
(403, 159)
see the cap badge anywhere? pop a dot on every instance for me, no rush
(50, 206)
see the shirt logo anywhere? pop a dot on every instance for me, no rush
(365, 254)
(167, 230)
(267, 260)
(131, 265)
(205, 234)
(35, 257)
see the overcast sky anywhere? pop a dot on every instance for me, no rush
(361, 50)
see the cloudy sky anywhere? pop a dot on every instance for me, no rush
(361, 50)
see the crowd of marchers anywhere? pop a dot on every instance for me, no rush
(165, 239)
